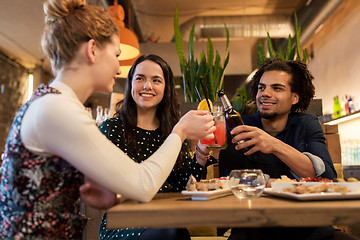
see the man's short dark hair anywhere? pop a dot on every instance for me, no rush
(301, 80)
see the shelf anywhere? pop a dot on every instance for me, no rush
(343, 118)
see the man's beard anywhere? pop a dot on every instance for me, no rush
(267, 115)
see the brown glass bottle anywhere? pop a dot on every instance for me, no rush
(232, 117)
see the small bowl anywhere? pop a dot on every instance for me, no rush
(247, 183)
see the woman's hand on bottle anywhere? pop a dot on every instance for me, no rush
(194, 125)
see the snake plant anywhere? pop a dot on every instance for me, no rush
(291, 53)
(206, 69)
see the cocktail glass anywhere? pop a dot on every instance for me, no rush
(219, 141)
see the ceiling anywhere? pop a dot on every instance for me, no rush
(22, 22)
(157, 18)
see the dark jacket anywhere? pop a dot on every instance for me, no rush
(302, 131)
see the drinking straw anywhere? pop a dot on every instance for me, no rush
(197, 94)
(206, 96)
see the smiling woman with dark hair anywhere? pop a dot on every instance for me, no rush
(142, 122)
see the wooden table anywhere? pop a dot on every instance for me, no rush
(175, 210)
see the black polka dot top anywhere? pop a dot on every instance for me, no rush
(148, 141)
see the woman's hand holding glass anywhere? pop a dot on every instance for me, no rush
(194, 125)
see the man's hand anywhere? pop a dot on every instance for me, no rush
(95, 195)
(259, 140)
(255, 138)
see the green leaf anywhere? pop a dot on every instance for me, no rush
(292, 54)
(288, 48)
(242, 92)
(226, 61)
(270, 46)
(193, 69)
(238, 104)
(261, 54)
(214, 78)
(297, 38)
(191, 42)
(203, 67)
(305, 56)
(180, 52)
(187, 91)
(281, 54)
(210, 52)
(202, 73)
(178, 41)
(227, 37)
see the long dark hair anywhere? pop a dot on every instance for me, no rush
(167, 111)
(301, 80)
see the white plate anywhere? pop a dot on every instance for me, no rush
(207, 195)
(277, 188)
(352, 186)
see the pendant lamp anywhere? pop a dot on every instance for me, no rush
(129, 43)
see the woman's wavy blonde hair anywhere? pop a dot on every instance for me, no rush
(69, 23)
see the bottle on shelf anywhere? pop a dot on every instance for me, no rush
(99, 115)
(346, 105)
(351, 105)
(232, 117)
(337, 108)
(106, 114)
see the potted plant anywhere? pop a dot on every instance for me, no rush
(242, 104)
(247, 106)
(291, 52)
(207, 70)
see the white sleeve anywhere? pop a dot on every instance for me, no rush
(56, 125)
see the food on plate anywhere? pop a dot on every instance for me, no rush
(208, 185)
(284, 178)
(318, 179)
(352, 179)
(191, 184)
(320, 188)
(339, 180)
(203, 185)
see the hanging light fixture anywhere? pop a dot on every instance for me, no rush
(129, 43)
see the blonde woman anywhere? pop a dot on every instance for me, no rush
(54, 142)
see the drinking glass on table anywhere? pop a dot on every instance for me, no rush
(247, 183)
(219, 141)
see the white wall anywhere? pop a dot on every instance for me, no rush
(336, 64)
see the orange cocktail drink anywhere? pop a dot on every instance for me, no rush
(220, 136)
(219, 140)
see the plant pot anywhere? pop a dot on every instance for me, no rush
(187, 106)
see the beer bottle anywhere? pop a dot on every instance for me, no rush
(232, 117)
